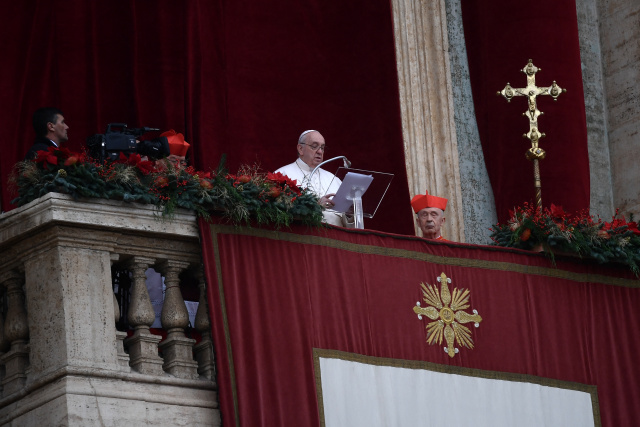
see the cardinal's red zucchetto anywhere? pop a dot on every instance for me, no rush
(177, 145)
(422, 201)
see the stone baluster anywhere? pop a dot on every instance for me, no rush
(204, 349)
(123, 357)
(16, 332)
(142, 345)
(177, 349)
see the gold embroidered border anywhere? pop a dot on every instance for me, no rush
(422, 256)
(446, 369)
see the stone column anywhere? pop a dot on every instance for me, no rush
(591, 59)
(142, 345)
(609, 50)
(204, 349)
(478, 203)
(16, 332)
(426, 106)
(177, 349)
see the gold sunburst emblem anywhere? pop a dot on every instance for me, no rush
(446, 311)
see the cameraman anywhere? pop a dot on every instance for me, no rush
(51, 130)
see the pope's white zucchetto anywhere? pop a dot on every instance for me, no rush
(303, 134)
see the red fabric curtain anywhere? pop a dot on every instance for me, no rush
(243, 78)
(501, 37)
(275, 296)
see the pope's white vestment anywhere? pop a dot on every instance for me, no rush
(321, 183)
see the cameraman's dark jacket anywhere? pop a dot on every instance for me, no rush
(41, 143)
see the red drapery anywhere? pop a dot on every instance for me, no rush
(274, 296)
(501, 36)
(237, 77)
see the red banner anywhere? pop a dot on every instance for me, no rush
(276, 296)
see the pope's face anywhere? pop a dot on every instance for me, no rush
(430, 221)
(311, 150)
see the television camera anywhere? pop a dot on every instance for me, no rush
(118, 138)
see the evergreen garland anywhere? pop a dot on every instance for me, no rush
(555, 230)
(249, 196)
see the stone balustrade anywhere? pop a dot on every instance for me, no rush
(62, 360)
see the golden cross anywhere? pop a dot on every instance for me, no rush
(535, 153)
(448, 315)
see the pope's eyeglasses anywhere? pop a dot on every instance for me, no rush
(316, 147)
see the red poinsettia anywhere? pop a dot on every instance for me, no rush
(132, 160)
(615, 223)
(620, 222)
(633, 226)
(557, 212)
(146, 167)
(66, 156)
(47, 156)
(279, 178)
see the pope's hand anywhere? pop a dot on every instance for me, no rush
(326, 202)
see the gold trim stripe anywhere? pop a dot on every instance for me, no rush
(552, 272)
(446, 369)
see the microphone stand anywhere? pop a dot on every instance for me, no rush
(347, 164)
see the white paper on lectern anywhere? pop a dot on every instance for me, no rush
(343, 199)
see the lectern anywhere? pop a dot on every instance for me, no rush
(355, 183)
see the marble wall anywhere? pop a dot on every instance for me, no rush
(619, 27)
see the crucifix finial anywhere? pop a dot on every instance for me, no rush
(535, 153)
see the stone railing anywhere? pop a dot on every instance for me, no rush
(62, 361)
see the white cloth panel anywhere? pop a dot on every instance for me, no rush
(358, 394)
